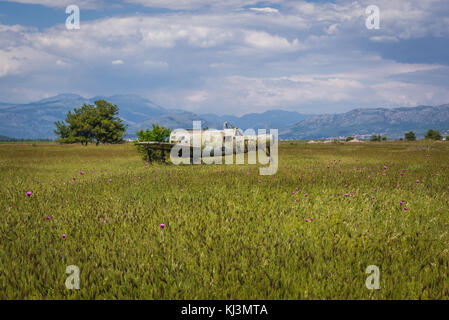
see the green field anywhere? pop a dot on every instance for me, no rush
(227, 235)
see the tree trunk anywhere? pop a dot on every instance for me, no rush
(148, 155)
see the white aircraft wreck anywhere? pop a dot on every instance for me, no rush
(187, 146)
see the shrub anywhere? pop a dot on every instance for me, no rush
(433, 135)
(157, 133)
(410, 136)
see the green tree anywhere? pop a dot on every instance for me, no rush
(157, 133)
(410, 136)
(375, 138)
(349, 139)
(384, 138)
(108, 127)
(97, 123)
(433, 135)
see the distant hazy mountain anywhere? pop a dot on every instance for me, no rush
(390, 122)
(174, 120)
(5, 138)
(133, 109)
(36, 120)
(273, 119)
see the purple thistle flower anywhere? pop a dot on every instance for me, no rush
(162, 226)
(29, 194)
(63, 236)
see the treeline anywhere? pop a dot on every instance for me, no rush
(411, 136)
(430, 135)
(8, 139)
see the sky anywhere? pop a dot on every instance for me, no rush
(229, 57)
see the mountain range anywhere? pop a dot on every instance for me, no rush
(36, 120)
(363, 123)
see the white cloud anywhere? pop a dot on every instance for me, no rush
(84, 4)
(62, 63)
(13, 28)
(195, 4)
(230, 57)
(384, 39)
(199, 96)
(410, 94)
(399, 19)
(370, 84)
(155, 64)
(332, 29)
(265, 10)
(23, 59)
(267, 41)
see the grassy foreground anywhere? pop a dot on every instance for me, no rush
(230, 233)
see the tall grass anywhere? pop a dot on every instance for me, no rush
(230, 233)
